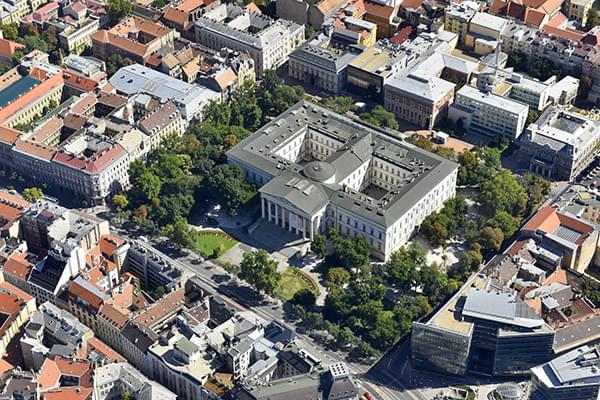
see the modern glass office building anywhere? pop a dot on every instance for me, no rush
(482, 331)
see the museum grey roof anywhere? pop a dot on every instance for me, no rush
(577, 367)
(323, 57)
(505, 308)
(234, 22)
(360, 142)
(493, 100)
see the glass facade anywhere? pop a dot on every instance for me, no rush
(439, 349)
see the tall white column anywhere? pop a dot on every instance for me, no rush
(276, 214)
(269, 210)
(290, 220)
(311, 229)
(262, 207)
(304, 226)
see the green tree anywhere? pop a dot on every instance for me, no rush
(346, 337)
(505, 222)
(10, 31)
(339, 104)
(502, 193)
(404, 264)
(467, 173)
(378, 116)
(179, 233)
(591, 290)
(517, 61)
(422, 142)
(491, 238)
(117, 9)
(126, 396)
(537, 189)
(593, 19)
(158, 293)
(33, 194)
(304, 297)
(532, 116)
(352, 253)
(116, 62)
(120, 201)
(337, 277)
(227, 186)
(259, 271)
(319, 246)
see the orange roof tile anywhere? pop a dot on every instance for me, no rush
(253, 8)
(47, 129)
(176, 16)
(569, 34)
(535, 17)
(95, 344)
(69, 393)
(16, 291)
(35, 149)
(76, 368)
(558, 276)
(76, 291)
(329, 6)
(190, 5)
(5, 366)
(109, 243)
(379, 10)
(113, 316)
(161, 308)
(80, 82)
(9, 135)
(546, 220)
(49, 375)
(8, 48)
(18, 265)
(35, 93)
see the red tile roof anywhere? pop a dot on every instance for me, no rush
(35, 149)
(69, 393)
(35, 93)
(18, 265)
(80, 82)
(109, 243)
(76, 291)
(379, 10)
(9, 135)
(253, 8)
(96, 345)
(8, 48)
(93, 164)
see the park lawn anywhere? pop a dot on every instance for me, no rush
(207, 243)
(289, 284)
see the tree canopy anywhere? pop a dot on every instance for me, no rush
(260, 271)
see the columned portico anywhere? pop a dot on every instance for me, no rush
(290, 218)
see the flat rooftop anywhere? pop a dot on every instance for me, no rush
(16, 89)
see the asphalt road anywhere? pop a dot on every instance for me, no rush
(380, 382)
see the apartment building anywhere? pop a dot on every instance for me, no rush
(458, 16)
(321, 64)
(111, 380)
(369, 71)
(572, 240)
(484, 33)
(515, 86)
(491, 332)
(571, 376)
(135, 38)
(334, 188)
(422, 101)
(151, 267)
(578, 10)
(75, 39)
(560, 144)
(488, 114)
(189, 98)
(268, 42)
(16, 307)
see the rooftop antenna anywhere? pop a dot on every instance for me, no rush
(497, 62)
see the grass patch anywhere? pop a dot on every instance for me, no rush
(293, 280)
(213, 243)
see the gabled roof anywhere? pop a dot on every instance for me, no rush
(69, 393)
(8, 48)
